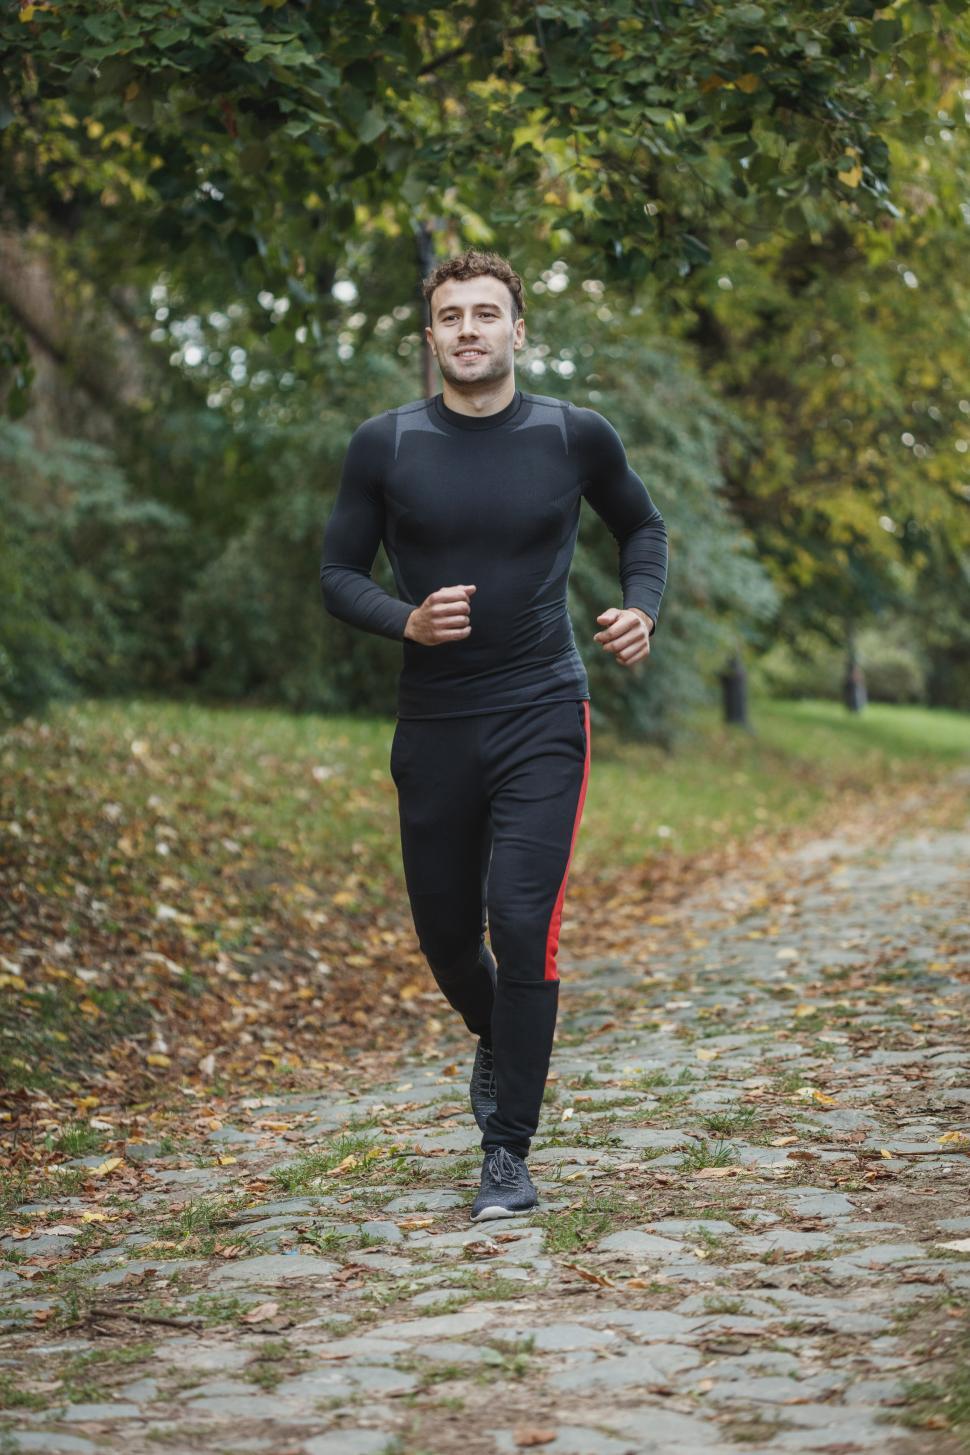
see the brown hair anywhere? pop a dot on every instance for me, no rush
(474, 263)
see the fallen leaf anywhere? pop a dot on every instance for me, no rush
(104, 1168)
(344, 1166)
(527, 1437)
(600, 1279)
(261, 1313)
(706, 1172)
(782, 1141)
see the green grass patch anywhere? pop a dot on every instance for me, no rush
(704, 1154)
(736, 1120)
(574, 1228)
(315, 1170)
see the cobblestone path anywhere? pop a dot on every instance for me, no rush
(753, 1232)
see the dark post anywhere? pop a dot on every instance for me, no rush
(854, 682)
(425, 251)
(734, 684)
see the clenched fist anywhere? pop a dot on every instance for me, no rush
(442, 617)
(627, 633)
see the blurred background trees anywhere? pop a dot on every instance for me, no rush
(741, 231)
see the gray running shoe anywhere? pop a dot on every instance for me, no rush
(482, 1090)
(506, 1187)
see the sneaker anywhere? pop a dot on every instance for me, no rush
(506, 1187)
(482, 1089)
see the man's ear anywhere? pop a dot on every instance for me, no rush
(519, 335)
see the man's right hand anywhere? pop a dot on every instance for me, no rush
(442, 617)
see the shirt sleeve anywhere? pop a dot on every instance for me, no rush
(620, 498)
(352, 538)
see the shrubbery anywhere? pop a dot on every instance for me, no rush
(894, 669)
(91, 577)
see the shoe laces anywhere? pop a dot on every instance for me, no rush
(486, 1073)
(502, 1167)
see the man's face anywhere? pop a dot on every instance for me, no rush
(472, 334)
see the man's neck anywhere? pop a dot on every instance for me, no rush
(480, 402)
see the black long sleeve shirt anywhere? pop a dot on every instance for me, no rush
(492, 502)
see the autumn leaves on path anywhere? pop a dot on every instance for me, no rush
(753, 1228)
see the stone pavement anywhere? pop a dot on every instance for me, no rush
(752, 1167)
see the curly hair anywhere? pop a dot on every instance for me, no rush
(475, 263)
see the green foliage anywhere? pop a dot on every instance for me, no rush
(91, 575)
(628, 126)
(766, 182)
(717, 592)
(895, 669)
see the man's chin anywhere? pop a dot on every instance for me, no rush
(475, 378)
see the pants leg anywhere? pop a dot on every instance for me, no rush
(446, 842)
(536, 769)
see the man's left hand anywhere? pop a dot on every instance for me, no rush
(626, 633)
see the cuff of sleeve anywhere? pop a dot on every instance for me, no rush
(406, 609)
(650, 611)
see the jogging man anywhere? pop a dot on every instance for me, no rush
(476, 495)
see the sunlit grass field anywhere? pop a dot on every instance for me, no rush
(317, 792)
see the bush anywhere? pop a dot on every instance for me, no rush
(91, 576)
(894, 668)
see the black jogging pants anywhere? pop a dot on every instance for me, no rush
(490, 807)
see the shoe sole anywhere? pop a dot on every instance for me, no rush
(487, 1213)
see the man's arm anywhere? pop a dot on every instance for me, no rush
(620, 498)
(352, 539)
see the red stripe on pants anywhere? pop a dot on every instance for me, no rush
(552, 938)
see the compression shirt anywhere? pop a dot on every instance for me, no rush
(491, 501)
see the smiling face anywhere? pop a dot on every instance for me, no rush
(473, 335)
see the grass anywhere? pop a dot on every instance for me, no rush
(319, 1169)
(738, 1119)
(575, 1228)
(269, 1363)
(269, 815)
(719, 1154)
(76, 1140)
(943, 1402)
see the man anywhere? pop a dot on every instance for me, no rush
(476, 494)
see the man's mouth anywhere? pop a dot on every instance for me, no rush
(470, 353)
